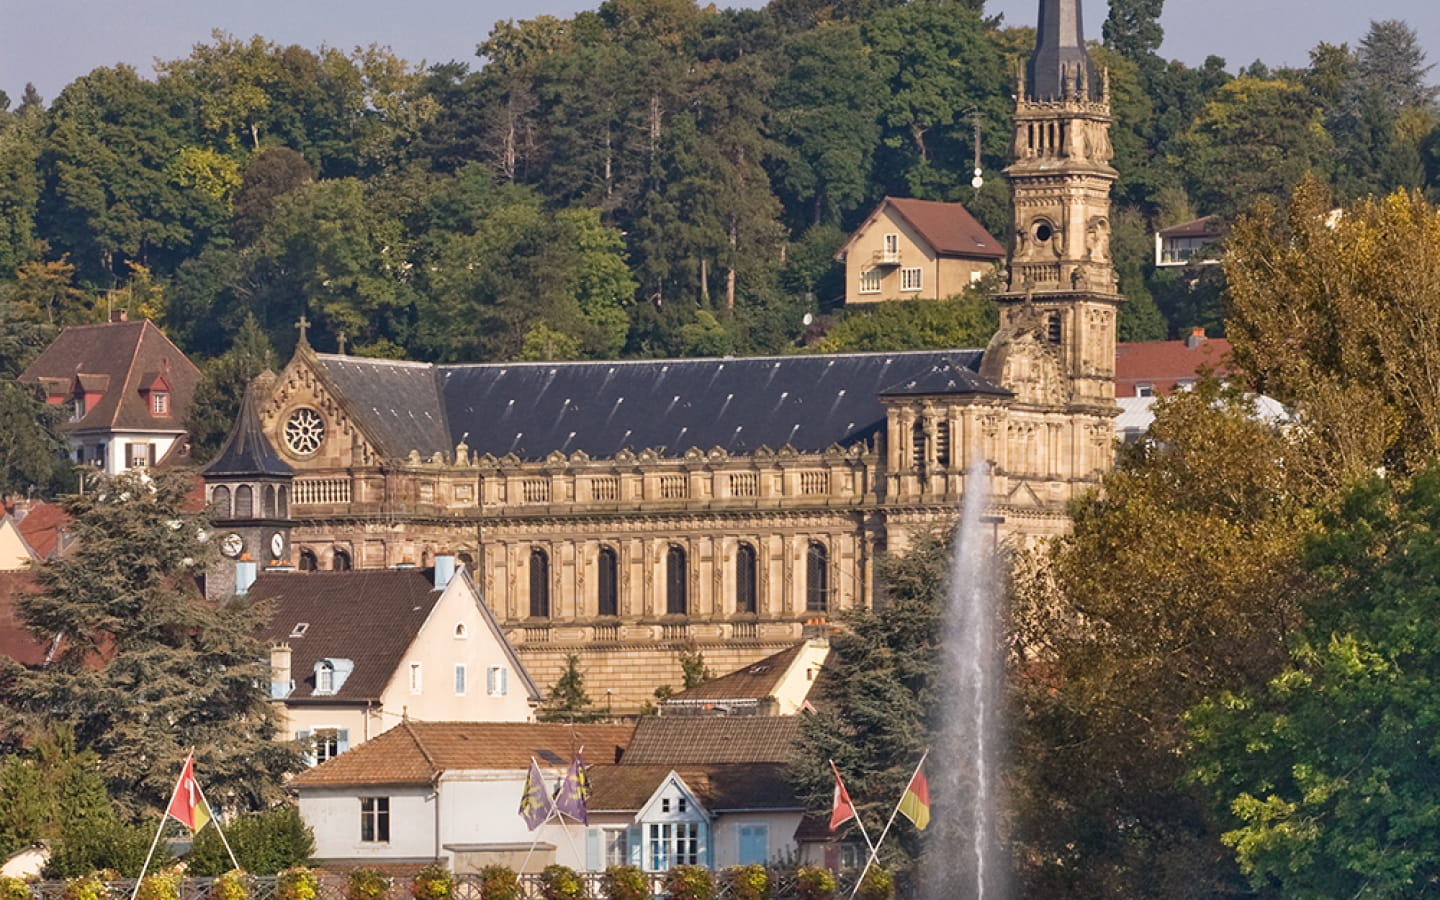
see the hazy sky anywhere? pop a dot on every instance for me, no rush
(51, 42)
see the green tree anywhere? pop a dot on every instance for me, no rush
(149, 668)
(568, 701)
(968, 320)
(227, 377)
(1325, 775)
(1133, 28)
(265, 843)
(21, 138)
(49, 791)
(34, 458)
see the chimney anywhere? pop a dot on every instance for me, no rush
(244, 574)
(1196, 338)
(444, 569)
(281, 681)
(119, 315)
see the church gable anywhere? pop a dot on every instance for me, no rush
(310, 424)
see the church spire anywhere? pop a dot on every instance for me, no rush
(1060, 68)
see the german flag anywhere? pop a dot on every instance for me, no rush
(915, 805)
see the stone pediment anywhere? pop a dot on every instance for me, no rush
(1024, 497)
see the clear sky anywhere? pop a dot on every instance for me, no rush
(51, 42)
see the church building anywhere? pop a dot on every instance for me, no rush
(632, 511)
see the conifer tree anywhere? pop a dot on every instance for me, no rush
(568, 701)
(145, 669)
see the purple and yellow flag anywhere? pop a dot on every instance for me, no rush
(573, 797)
(535, 806)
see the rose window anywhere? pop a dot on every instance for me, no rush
(304, 432)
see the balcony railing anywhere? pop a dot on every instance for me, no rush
(314, 491)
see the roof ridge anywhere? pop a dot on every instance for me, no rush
(130, 374)
(420, 745)
(703, 359)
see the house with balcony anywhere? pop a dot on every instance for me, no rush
(1196, 241)
(916, 250)
(128, 390)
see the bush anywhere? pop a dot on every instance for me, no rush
(878, 884)
(264, 843)
(559, 882)
(689, 883)
(103, 843)
(625, 883)
(366, 884)
(231, 885)
(14, 888)
(434, 882)
(87, 887)
(814, 883)
(750, 882)
(160, 886)
(499, 883)
(297, 883)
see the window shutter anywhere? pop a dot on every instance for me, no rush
(492, 679)
(504, 680)
(342, 740)
(593, 838)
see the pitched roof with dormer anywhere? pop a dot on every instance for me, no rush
(719, 787)
(809, 403)
(420, 752)
(123, 362)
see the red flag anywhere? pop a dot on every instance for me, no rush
(843, 810)
(187, 803)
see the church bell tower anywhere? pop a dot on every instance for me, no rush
(1062, 279)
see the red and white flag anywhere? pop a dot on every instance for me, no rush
(843, 809)
(187, 803)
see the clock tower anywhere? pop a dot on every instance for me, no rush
(248, 488)
(1062, 281)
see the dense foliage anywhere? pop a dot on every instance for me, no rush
(650, 177)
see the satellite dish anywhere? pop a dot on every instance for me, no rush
(808, 319)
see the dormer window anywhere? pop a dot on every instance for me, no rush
(325, 677)
(160, 403)
(79, 411)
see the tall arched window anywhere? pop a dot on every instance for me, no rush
(539, 584)
(341, 561)
(284, 502)
(220, 499)
(267, 501)
(817, 578)
(607, 583)
(745, 588)
(308, 561)
(244, 502)
(675, 599)
(917, 441)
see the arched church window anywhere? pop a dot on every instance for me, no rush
(917, 442)
(817, 578)
(745, 572)
(244, 502)
(676, 601)
(308, 561)
(607, 583)
(220, 499)
(341, 561)
(267, 501)
(942, 444)
(539, 584)
(284, 503)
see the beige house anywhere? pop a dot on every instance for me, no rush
(15, 552)
(917, 250)
(353, 654)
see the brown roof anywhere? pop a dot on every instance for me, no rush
(947, 227)
(1205, 226)
(1164, 364)
(43, 527)
(757, 681)
(418, 752)
(117, 358)
(718, 787)
(369, 617)
(690, 741)
(16, 642)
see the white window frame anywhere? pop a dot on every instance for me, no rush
(325, 677)
(892, 247)
(871, 281)
(160, 403)
(1145, 390)
(137, 455)
(327, 743)
(912, 279)
(375, 815)
(497, 681)
(461, 679)
(417, 678)
(615, 846)
(670, 844)
(462, 632)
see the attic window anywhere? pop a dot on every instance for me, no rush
(300, 629)
(461, 631)
(325, 677)
(160, 403)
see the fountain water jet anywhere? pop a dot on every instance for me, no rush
(963, 861)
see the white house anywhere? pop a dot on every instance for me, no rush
(353, 654)
(705, 791)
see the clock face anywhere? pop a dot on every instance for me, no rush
(277, 545)
(232, 545)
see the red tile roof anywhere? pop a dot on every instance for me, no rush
(684, 740)
(757, 681)
(418, 752)
(948, 228)
(43, 527)
(16, 642)
(1165, 364)
(624, 788)
(117, 358)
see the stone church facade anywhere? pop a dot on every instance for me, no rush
(627, 511)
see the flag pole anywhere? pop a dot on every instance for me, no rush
(163, 816)
(215, 820)
(551, 811)
(858, 821)
(875, 850)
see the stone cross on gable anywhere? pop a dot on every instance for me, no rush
(340, 341)
(303, 324)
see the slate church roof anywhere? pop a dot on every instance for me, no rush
(601, 408)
